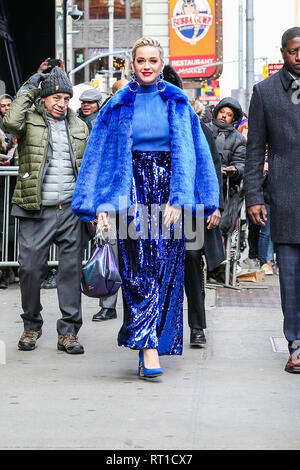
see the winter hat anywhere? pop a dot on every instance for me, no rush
(56, 82)
(171, 76)
(241, 123)
(91, 95)
(232, 104)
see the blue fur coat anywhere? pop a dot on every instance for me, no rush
(105, 176)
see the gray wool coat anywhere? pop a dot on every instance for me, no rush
(274, 121)
(234, 151)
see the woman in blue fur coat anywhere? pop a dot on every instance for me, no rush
(147, 150)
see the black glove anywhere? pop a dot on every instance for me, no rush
(34, 80)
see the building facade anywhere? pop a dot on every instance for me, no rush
(136, 18)
(93, 36)
(155, 22)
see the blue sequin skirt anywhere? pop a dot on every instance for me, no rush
(152, 267)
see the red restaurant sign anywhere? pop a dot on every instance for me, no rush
(273, 68)
(195, 30)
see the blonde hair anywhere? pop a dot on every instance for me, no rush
(147, 41)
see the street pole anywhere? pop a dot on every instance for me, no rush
(241, 55)
(64, 32)
(296, 12)
(250, 51)
(111, 39)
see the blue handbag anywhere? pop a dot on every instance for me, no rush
(100, 275)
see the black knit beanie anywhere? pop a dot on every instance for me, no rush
(56, 82)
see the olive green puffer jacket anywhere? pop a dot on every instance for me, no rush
(31, 129)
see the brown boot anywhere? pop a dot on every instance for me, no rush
(293, 364)
(69, 344)
(28, 340)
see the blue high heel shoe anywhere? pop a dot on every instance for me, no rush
(144, 372)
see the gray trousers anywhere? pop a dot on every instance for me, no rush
(111, 301)
(36, 236)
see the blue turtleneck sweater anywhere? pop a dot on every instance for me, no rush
(150, 121)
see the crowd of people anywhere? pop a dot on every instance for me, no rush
(147, 145)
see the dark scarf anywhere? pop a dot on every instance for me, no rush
(219, 132)
(90, 119)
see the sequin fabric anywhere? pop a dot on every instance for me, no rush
(152, 269)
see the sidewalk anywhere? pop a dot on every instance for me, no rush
(232, 394)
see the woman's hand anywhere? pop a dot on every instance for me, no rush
(171, 214)
(103, 221)
(213, 220)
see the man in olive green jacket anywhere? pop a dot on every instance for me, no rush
(51, 143)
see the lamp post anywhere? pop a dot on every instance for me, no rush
(75, 14)
(64, 31)
(241, 55)
(250, 51)
(296, 12)
(111, 37)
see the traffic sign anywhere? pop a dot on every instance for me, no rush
(273, 68)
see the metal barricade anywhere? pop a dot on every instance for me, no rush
(232, 259)
(232, 253)
(6, 173)
(9, 230)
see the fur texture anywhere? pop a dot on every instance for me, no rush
(106, 171)
(3, 143)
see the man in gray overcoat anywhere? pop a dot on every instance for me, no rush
(274, 123)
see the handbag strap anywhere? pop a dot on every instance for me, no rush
(103, 236)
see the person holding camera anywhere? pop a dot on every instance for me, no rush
(50, 282)
(48, 64)
(51, 143)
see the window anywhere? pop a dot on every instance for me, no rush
(135, 8)
(100, 66)
(80, 4)
(78, 60)
(99, 9)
